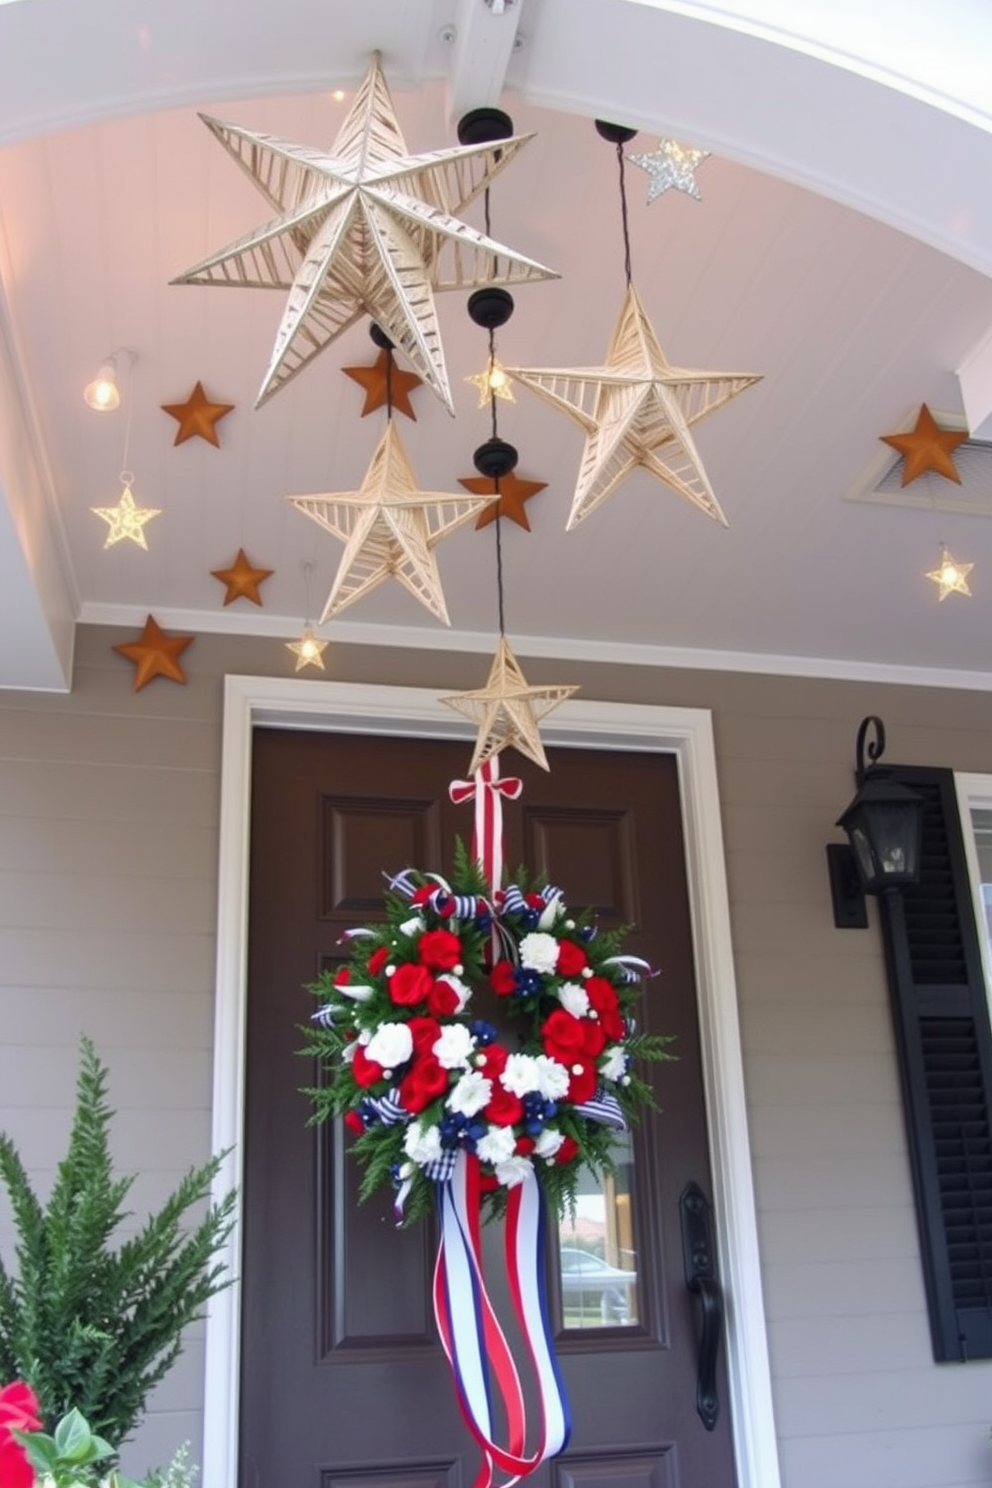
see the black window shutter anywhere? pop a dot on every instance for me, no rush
(944, 1042)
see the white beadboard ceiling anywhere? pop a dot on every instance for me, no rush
(110, 186)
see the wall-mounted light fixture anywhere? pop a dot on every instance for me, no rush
(103, 394)
(884, 825)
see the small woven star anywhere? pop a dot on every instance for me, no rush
(197, 417)
(671, 165)
(513, 494)
(927, 447)
(242, 579)
(126, 519)
(507, 710)
(951, 577)
(155, 654)
(308, 650)
(494, 382)
(385, 385)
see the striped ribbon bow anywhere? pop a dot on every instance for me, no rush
(488, 791)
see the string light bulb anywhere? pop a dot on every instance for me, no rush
(951, 577)
(308, 650)
(103, 394)
(493, 382)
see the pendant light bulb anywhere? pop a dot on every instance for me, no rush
(103, 394)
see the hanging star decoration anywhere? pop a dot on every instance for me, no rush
(155, 654)
(927, 447)
(126, 519)
(386, 385)
(671, 165)
(494, 382)
(198, 417)
(507, 710)
(951, 577)
(636, 410)
(390, 529)
(513, 494)
(363, 228)
(242, 579)
(308, 650)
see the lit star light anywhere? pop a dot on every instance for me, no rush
(951, 577)
(636, 410)
(494, 382)
(308, 650)
(671, 165)
(927, 447)
(126, 519)
(155, 654)
(507, 710)
(363, 228)
(390, 529)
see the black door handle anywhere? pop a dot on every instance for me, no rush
(700, 1277)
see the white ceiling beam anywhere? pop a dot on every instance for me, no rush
(975, 381)
(483, 34)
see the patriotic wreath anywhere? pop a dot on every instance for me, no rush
(411, 1057)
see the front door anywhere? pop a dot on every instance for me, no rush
(344, 1384)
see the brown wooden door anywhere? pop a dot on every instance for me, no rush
(343, 1382)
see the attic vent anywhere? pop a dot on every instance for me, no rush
(880, 482)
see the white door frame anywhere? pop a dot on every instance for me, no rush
(415, 712)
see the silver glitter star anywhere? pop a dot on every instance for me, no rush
(671, 165)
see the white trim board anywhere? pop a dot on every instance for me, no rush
(414, 712)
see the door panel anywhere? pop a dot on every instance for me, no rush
(343, 1381)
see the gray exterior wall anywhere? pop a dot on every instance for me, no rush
(108, 862)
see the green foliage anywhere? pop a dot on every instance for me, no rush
(91, 1327)
(72, 1456)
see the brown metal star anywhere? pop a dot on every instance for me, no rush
(155, 654)
(513, 493)
(927, 447)
(197, 417)
(242, 579)
(385, 386)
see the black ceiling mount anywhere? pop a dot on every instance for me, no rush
(490, 307)
(617, 134)
(379, 337)
(483, 126)
(495, 458)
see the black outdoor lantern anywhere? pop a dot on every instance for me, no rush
(884, 826)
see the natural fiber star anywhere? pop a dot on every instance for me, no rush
(389, 528)
(155, 654)
(197, 417)
(308, 650)
(951, 577)
(363, 228)
(636, 410)
(126, 520)
(671, 165)
(513, 494)
(385, 385)
(927, 447)
(507, 710)
(242, 579)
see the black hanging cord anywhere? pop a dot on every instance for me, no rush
(623, 214)
(498, 524)
(389, 384)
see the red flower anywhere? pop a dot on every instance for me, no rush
(524, 1146)
(422, 895)
(504, 1108)
(534, 901)
(494, 1060)
(593, 1038)
(567, 1150)
(442, 1000)
(18, 1412)
(563, 1036)
(343, 977)
(378, 959)
(571, 959)
(503, 978)
(410, 984)
(602, 996)
(583, 1082)
(425, 1033)
(354, 1122)
(440, 950)
(365, 1070)
(423, 1082)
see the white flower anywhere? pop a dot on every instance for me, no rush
(553, 1078)
(520, 1075)
(574, 999)
(548, 1142)
(455, 1046)
(472, 1092)
(539, 952)
(497, 1145)
(551, 913)
(413, 926)
(513, 1171)
(462, 992)
(348, 1052)
(422, 1144)
(390, 1045)
(613, 1062)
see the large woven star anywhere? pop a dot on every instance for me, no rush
(390, 529)
(636, 410)
(507, 710)
(927, 447)
(155, 654)
(671, 165)
(364, 228)
(126, 520)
